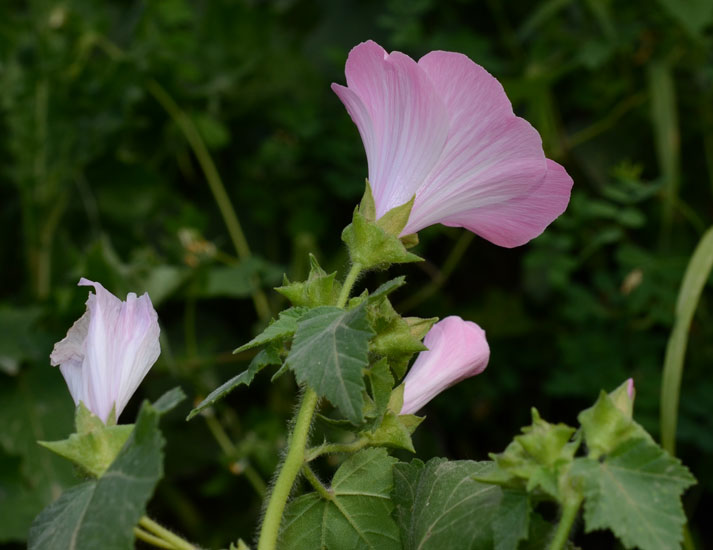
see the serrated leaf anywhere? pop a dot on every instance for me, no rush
(102, 513)
(358, 514)
(280, 329)
(636, 492)
(439, 505)
(511, 523)
(266, 357)
(330, 353)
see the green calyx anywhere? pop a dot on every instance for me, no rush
(376, 243)
(95, 445)
(537, 458)
(320, 288)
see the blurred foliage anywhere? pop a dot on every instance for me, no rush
(99, 179)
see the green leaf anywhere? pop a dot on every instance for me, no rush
(102, 513)
(371, 246)
(356, 516)
(439, 505)
(635, 492)
(281, 329)
(330, 353)
(511, 523)
(697, 274)
(266, 357)
(387, 288)
(320, 288)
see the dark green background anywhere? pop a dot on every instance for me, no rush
(98, 180)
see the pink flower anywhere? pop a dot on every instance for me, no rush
(457, 350)
(108, 350)
(444, 130)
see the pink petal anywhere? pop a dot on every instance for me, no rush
(515, 221)
(457, 350)
(491, 159)
(401, 120)
(109, 350)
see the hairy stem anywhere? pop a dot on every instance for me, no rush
(288, 473)
(570, 509)
(153, 540)
(167, 536)
(348, 284)
(334, 448)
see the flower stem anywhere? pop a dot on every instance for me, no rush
(348, 284)
(570, 509)
(153, 540)
(156, 530)
(288, 473)
(334, 448)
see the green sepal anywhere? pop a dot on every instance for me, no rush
(409, 241)
(621, 399)
(394, 221)
(371, 246)
(394, 431)
(95, 445)
(394, 338)
(605, 426)
(420, 326)
(239, 546)
(396, 400)
(320, 288)
(538, 457)
(381, 383)
(367, 206)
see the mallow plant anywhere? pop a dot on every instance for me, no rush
(443, 146)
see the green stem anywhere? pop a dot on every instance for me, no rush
(151, 539)
(161, 532)
(314, 481)
(288, 473)
(334, 448)
(570, 509)
(215, 183)
(348, 284)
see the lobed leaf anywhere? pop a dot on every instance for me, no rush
(330, 353)
(356, 516)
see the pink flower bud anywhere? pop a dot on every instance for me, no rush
(443, 130)
(108, 350)
(457, 350)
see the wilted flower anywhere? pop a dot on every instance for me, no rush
(443, 130)
(457, 350)
(108, 350)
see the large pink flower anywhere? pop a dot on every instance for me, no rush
(108, 350)
(444, 130)
(457, 350)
